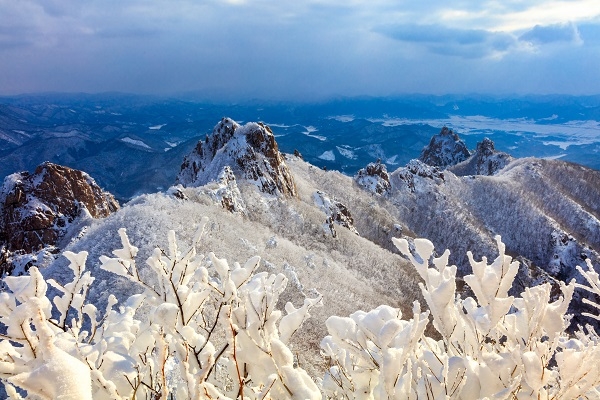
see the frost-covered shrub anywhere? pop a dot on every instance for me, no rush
(494, 346)
(205, 335)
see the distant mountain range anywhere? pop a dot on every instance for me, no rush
(133, 144)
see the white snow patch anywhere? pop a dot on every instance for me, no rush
(554, 157)
(392, 160)
(346, 153)
(563, 145)
(327, 156)
(156, 127)
(552, 118)
(343, 118)
(279, 125)
(135, 142)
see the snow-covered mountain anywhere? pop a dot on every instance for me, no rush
(445, 149)
(39, 210)
(250, 151)
(331, 233)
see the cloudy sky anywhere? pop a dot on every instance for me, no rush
(300, 49)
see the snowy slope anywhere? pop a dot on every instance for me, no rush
(350, 271)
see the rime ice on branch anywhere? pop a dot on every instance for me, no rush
(493, 346)
(212, 332)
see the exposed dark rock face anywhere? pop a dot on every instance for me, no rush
(445, 149)
(416, 168)
(374, 178)
(38, 208)
(337, 213)
(250, 151)
(486, 160)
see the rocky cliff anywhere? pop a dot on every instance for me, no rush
(37, 209)
(444, 149)
(374, 177)
(250, 151)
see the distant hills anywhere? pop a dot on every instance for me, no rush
(135, 144)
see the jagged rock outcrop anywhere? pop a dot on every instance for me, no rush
(566, 253)
(417, 169)
(374, 178)
(250, 151)
(486, 160)
(337, 213)
(37, 209)
(445, 149)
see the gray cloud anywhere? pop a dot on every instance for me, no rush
(541, 35)
(267, 49)
(468, 43)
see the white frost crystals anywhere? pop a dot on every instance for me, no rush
(209, 334)
(204, 329)
(494, 346)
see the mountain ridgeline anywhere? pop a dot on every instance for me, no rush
(316, 225)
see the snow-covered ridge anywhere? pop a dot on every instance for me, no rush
(485, 160)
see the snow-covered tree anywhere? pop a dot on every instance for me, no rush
(207, 333)
(204, 329)
(492, 346)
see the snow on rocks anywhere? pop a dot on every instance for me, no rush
(39, 209)
(444, 149)
(225, 191)
(251, 153)
(374, 178)
(416, 169)
(566, 253)
(486, 160)
(336, 213)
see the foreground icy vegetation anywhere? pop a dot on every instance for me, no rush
(202, 328)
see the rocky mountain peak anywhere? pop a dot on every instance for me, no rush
(485, 147)
(37, 209)
(374, 177)
(250, 151)
(486, 160)
(445, 149)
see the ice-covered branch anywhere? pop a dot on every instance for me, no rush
(200, 317)
(490, 346)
